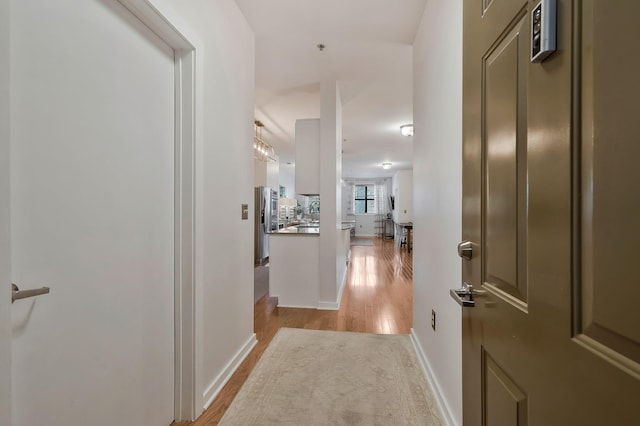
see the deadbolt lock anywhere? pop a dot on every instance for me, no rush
(465, 250)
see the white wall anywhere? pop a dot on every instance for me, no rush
(366, 225)
(259, 173)
(287, 178)
(273, 175)
(438, 193)
(330, 191)
(266, 174)
(347, 200)
(402, 190)
(5, 273)
(225, 242)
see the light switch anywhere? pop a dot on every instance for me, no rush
(245, 211)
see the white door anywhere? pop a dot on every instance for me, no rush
(92, 216)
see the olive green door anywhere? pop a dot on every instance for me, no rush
(551, 207)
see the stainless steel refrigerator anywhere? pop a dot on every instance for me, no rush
(266, 220)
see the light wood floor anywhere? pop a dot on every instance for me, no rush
(377, 298)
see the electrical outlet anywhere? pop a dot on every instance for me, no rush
(433, 320)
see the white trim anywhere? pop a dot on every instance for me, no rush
(328, 306)
(296, 306)
(166, 27)
(334, 306)
(185, 310)
(218, 383)
(5, 221)
(441, 401)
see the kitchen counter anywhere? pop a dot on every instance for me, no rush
(300, 231)
(294, 268)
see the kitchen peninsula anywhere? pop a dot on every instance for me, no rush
(294, 266)
(294, 259)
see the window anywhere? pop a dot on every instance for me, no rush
(365, 201)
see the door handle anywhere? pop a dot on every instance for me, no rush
(464, 295)
(465, 250)
(16, 293)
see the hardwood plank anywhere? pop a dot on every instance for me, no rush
(377, 298)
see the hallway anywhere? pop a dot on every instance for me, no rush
(377, 298)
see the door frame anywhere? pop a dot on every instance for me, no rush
(168, 26)
(5, 229)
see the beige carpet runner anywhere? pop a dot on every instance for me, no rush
(309, 377)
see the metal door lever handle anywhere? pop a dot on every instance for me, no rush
(16, 293)
(462, 298)
(464, 295)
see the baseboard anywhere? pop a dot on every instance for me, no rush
(328, 306)
(295, 306)
(218, 383)
(445, 410)
(334, 306)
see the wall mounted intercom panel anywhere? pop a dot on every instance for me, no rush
(543, 30)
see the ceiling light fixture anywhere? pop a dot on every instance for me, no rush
(262, 151)
(386, 166)
(406, 130)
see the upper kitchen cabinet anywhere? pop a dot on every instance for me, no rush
(308, 156)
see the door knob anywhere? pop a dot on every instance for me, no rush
(465, 250)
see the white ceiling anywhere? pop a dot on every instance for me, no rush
(368, 50)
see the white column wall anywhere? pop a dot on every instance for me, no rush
(330, 191)
(342, 250)
(437, 195)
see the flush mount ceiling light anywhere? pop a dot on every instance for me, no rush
(406, 130)
(386, 166)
